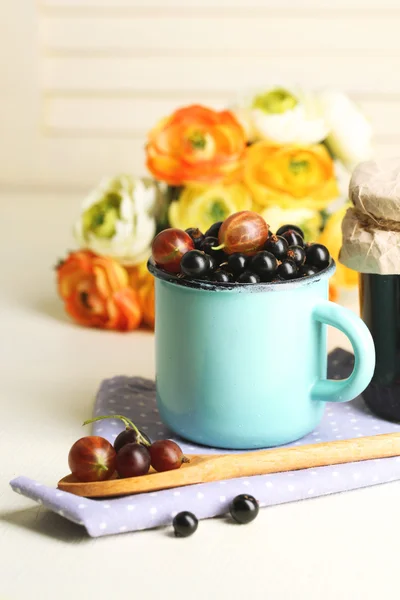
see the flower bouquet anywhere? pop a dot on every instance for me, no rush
(286, 154)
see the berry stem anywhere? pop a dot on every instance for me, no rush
(220, 247)
(127, 422)
(185, 459)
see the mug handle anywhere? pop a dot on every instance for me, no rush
(330, 390)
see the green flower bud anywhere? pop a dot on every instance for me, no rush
(276, 101)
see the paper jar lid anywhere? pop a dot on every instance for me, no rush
(375, 188)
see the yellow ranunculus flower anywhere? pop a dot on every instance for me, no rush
(308, 220)
(201, 206)
(290, 176)
(331, 237)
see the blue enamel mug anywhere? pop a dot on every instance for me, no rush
(244, 366)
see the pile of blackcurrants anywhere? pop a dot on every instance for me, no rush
(240, 249)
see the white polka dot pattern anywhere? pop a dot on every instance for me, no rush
(135, 398)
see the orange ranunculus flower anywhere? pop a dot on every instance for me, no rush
(147, 301)
(290, 176)
(96, 292)
(196, 145)
(143, 282)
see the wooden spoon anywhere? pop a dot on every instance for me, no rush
(203, 468)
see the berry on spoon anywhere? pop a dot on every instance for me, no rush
(92, 458)
(166, 455)
(133, 460)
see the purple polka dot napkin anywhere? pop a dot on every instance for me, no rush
(135, 398)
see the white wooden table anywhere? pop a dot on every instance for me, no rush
(338, 547)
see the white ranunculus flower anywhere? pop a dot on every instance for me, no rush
(117, 219)
(283, 116)
(350, 132)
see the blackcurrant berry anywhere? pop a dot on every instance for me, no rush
(318, 256)
(237, 263)
(277, 246)
(287, 269)
(244, 509)
(307, 270)
(207, 246)
(297, 254)
(185, 523)
(195, 264)
(248, 277)
(264, 264)
(213, 231)
(285, 228)
(221, 276)
(196, 236)
(213, 263)
(293, 238)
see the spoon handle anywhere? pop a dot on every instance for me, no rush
(228, 466)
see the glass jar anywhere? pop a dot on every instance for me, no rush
(380, 310)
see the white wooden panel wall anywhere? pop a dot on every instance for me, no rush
(94, 75)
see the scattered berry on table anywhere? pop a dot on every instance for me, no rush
(244, 509)
(185, 524)
(277, 245)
